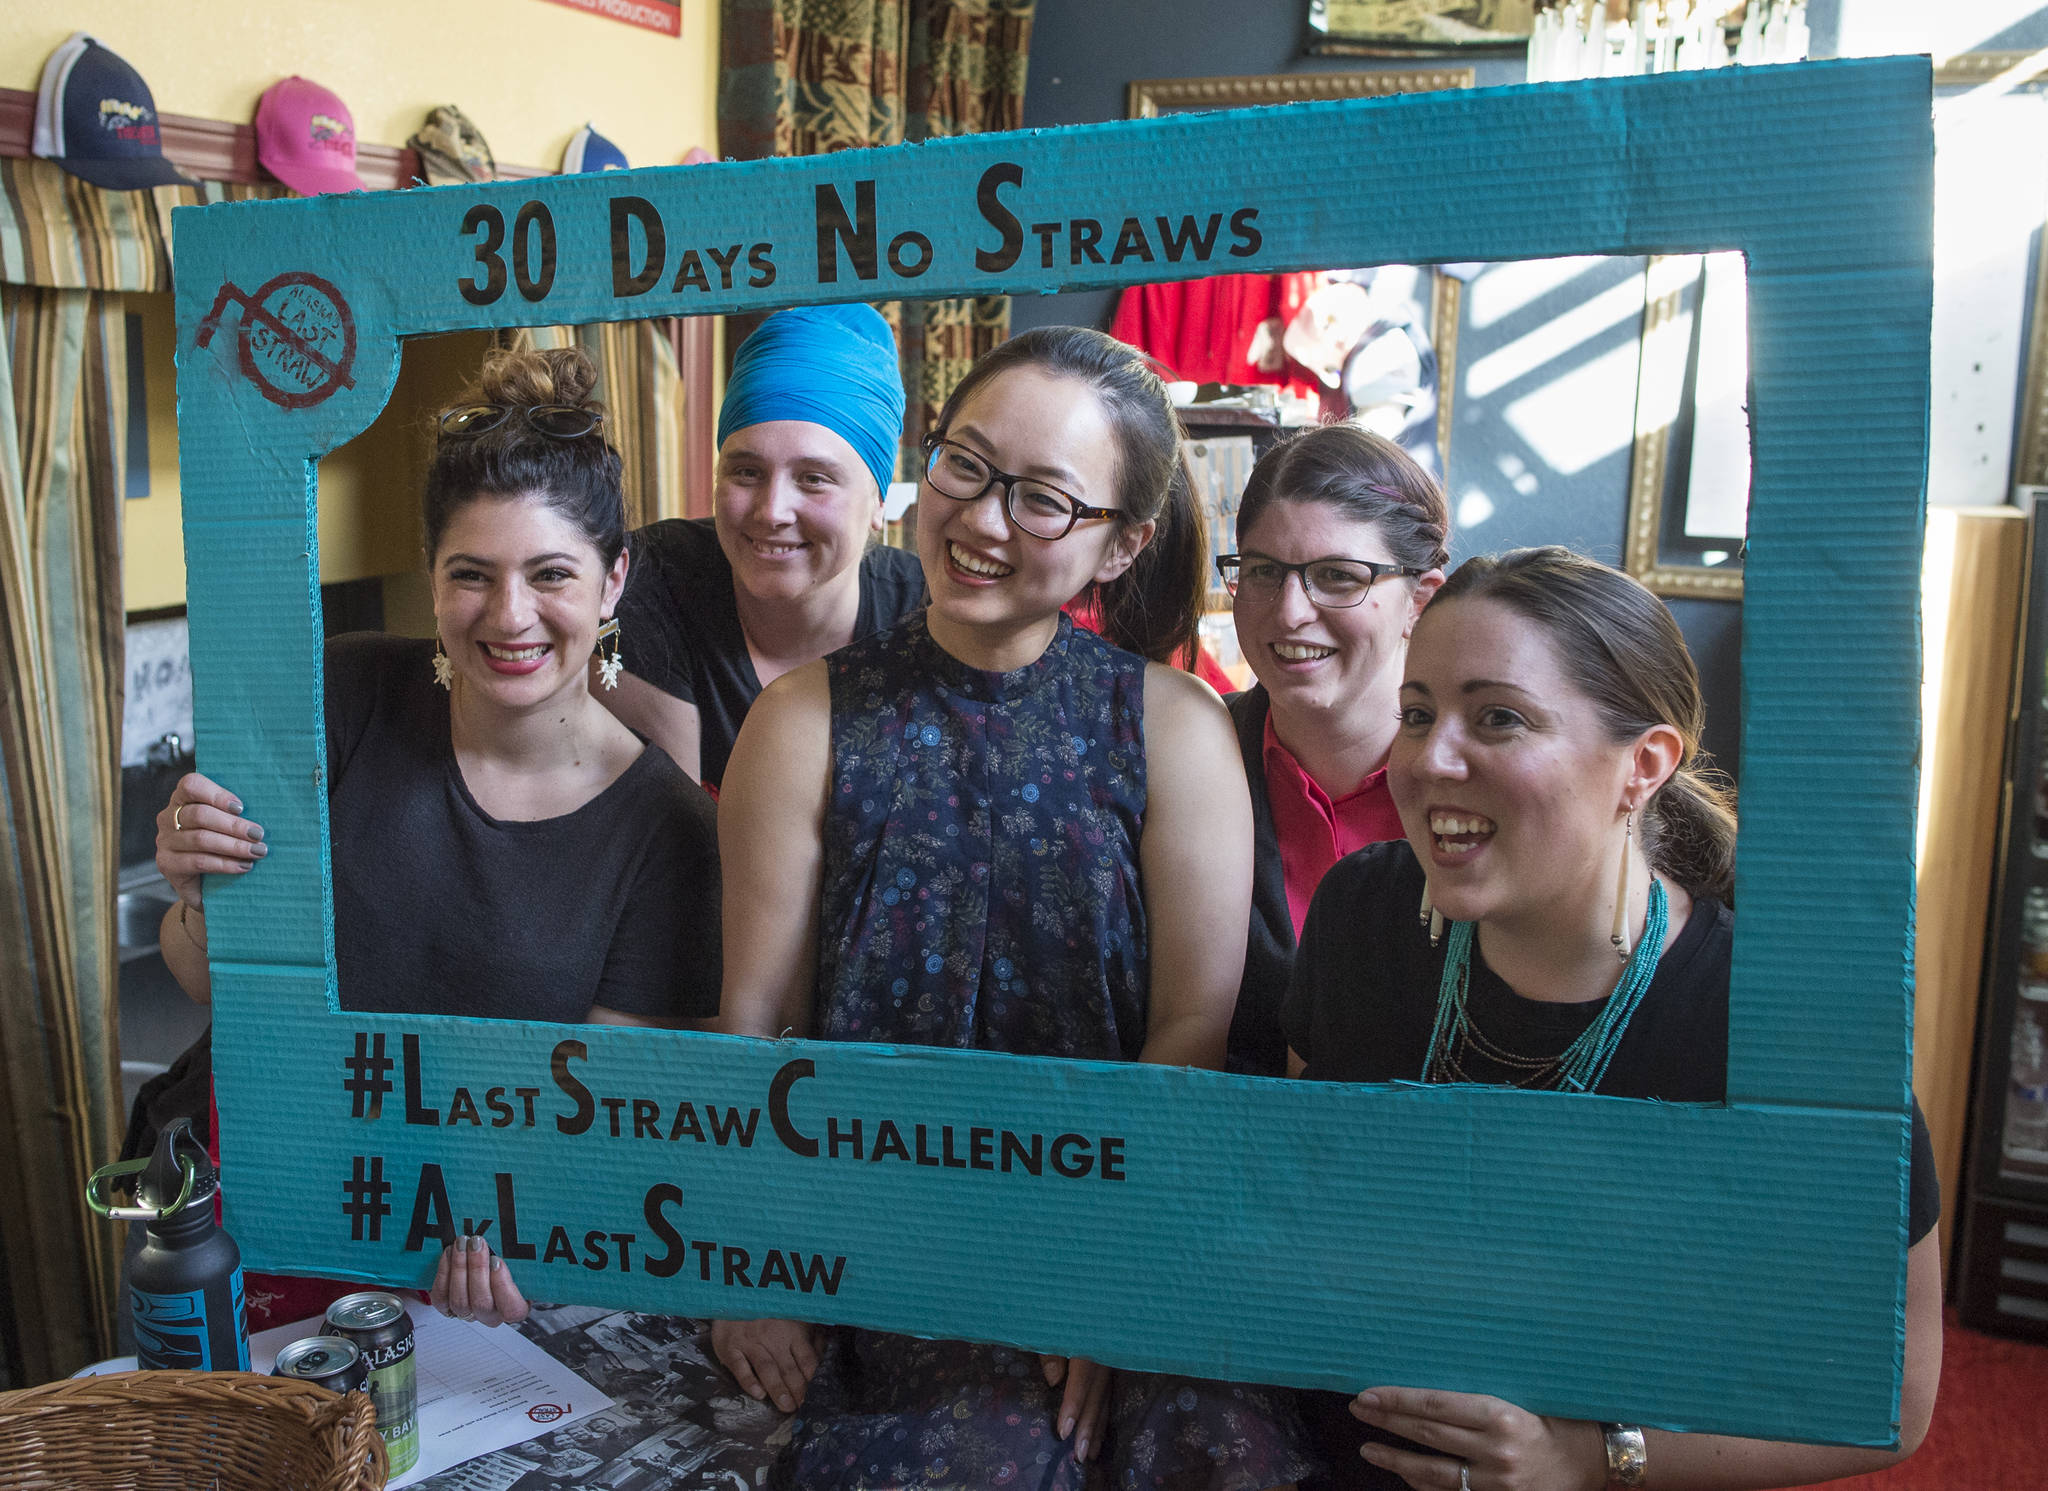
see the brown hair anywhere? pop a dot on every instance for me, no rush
(1153, 607)
(579, 478)
(1366, 477)
(1622, 648)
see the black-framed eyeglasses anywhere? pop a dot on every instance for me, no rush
(562, 421)
(1041, 510)
(1336, 583)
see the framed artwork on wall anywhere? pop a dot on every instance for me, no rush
(1688, 493)
(1382, 27)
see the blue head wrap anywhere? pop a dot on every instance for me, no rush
(830, 365)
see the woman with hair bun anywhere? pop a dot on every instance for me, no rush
(990, 829)
(502, 847)
(1341, 542)
(1558, 916)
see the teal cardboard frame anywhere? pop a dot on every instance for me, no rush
(1554, 1250)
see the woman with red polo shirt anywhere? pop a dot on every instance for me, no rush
(1341, 542)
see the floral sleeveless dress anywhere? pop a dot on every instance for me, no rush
(981, 890)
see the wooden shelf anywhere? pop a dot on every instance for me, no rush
(219, 150)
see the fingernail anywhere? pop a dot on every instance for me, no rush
(260, 850)
(235, 804)
(1066, 1427)
(496, 1263)
(1081, 1449)
(785, 1404)
(255, 831)
(1369, 1399)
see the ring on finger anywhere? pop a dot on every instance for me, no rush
(177, 813)
(1464, 1476)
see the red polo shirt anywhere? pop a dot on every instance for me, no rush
(1316, 831)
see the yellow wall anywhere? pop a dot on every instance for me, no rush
(528, 72)
(152, 537)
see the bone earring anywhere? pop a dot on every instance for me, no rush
(1620, 934)
(1428, 916)
(444, 670)
(609, 664)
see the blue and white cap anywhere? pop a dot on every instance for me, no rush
(95, 118)
(590, 151)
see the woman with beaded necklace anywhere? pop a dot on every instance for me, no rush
(1557, 917)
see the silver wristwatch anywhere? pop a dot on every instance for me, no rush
(1627, 1465)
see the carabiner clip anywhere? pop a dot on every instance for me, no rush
(104, 1178)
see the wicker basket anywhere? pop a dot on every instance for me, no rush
(188, 1431)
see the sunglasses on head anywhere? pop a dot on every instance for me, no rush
(562, 421)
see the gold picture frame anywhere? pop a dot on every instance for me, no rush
(1393, 28)
(1655, 410)
(1659, 379)
(1148, 98)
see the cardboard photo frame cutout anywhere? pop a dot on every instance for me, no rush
(1737, 1268)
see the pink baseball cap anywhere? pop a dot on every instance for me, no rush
(306, 138)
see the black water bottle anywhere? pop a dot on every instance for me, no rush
(186, 1283)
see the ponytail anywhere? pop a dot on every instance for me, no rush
(1689, 830)
(1154, 608)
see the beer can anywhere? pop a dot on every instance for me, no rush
(379, 1328)
(331, 1362)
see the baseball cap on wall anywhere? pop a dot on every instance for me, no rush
(306, 138)
(590, 151)
(95, 118)
(452, 149)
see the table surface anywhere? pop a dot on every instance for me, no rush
(679, 1423)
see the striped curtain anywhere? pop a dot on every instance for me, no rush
(68, 252)
(641, 385)
(63, 383)
(804, 78)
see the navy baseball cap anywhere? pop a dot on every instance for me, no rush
(590, 151)
(96, 119)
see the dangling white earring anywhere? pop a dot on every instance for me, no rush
(609, 664)
(1428, 916)
(1619, 936)
(444, 669)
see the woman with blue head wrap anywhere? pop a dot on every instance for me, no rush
(783, 571)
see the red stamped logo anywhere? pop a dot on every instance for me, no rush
(297, 338)
(547, 1413)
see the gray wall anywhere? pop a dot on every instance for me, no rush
(1084, 52)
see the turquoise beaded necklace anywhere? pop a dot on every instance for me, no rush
(1582, 1064)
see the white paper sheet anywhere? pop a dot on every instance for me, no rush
(481, 1388)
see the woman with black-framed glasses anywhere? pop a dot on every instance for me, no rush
(502, 846)
(991, 829)
(1341, 542)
